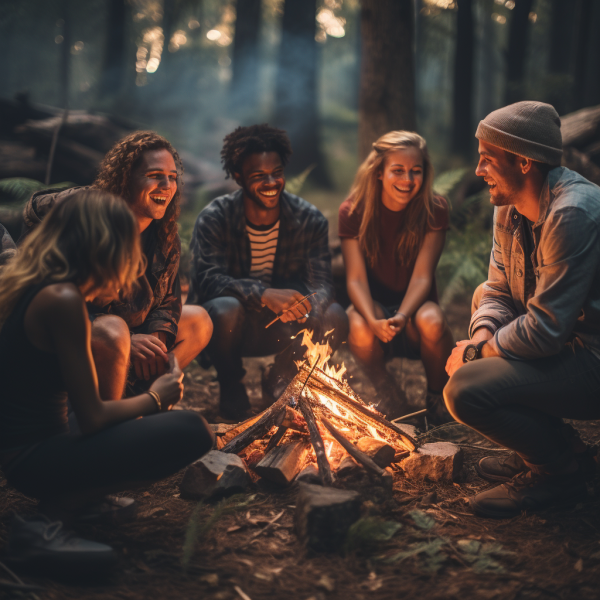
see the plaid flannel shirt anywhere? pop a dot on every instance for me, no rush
(221, 255)
(156, 303)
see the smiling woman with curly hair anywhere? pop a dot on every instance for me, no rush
(145, 171)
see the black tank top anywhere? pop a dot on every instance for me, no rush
(33, 397)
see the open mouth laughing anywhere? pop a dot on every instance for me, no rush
(160, 199)
(269, 193)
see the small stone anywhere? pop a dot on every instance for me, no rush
(211, 579)
(215, 475)
(439, 461)
(326, 583)
(410, 430)
(381, 453)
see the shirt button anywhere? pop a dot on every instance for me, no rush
(519, 273)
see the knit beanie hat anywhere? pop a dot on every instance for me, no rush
(529, 129)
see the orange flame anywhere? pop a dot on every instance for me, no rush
(319, 353)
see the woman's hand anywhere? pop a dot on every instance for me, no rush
(170, 385)
(398, 322)
(148, 355)
(383, 330)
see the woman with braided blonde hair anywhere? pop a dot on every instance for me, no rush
(145, 171)
(393, 230)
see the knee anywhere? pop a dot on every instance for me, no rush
(360, 333)
(227, 314)
(431, 323)
(110, 336)
(198, 326)
(461, 397)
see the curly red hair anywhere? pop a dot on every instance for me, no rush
(115, 177)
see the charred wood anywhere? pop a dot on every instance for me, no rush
(283, 463)
(317, 441)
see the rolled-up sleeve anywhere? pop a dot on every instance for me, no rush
(570, 257)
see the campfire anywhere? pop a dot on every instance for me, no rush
(318, 420)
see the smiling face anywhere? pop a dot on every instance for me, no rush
(401, 178)
(153, 185)
(262, 180)
(501, 172)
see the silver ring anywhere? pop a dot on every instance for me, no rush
(306, 316)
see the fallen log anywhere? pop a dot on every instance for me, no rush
(283, 463)
(381, 453)
(316, 440)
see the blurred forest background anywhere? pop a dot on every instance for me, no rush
(336, 74)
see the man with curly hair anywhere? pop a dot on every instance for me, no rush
(255, 254)
(145, 170)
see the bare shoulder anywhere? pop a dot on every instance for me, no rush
(60, 300)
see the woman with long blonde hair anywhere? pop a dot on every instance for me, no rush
(393, 230)
(86, 249)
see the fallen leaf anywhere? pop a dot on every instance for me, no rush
(422, 520)
(326, 583)
(579, 565)
(212, 579)
(241, 593)
(263, 576)
(234, 528)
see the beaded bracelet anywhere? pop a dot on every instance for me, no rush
(156, 399)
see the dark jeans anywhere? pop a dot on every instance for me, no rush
(520, 404)
(239, 332)
(132, 452)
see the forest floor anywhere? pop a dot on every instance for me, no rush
(439, 550)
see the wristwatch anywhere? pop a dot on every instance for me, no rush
(473, 351)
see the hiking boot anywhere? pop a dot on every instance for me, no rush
(529, 491)
(437, 413)
(45, 546)
(234, 406)
(504, 468)
(275, 380)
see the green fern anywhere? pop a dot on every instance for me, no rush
(295, 184)
(17, 190)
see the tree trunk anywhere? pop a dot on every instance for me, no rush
(582, 53)
(65, 55)
(518, 41)
(296, 88)
(244, 94)
(115, 60)
(488, 64)
(387, 88)
(462, 122)
(592, 96)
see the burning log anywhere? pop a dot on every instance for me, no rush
(382, 454)
(283, 463)
(310, 474)
(273, 416)
(317, 441)
(352, 450)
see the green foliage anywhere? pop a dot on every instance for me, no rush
(367, 533)
(294, 185)
(17, 190)
(202, 521)
(422, 520)
(430, 552)
(481, 556)
(446, 183)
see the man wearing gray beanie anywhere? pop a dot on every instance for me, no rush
(534, 353)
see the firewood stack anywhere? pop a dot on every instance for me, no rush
(318, 419)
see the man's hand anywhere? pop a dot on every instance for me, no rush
(279, 301)
(148, 355)
(455, 360)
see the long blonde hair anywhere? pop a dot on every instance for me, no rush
(366, 193)
(91, 236)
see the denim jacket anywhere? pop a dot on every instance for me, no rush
(533, 312)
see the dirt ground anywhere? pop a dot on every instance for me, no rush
(438, 550)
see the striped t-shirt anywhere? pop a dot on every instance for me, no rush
(263, 244)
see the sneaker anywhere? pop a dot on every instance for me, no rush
(437, 413)
(111, 509)
(529, 491)
(45, 546)
(504, 468)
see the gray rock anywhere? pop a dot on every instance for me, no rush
(439, 461)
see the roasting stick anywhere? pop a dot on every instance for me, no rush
(415, 414)
(288, 309)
